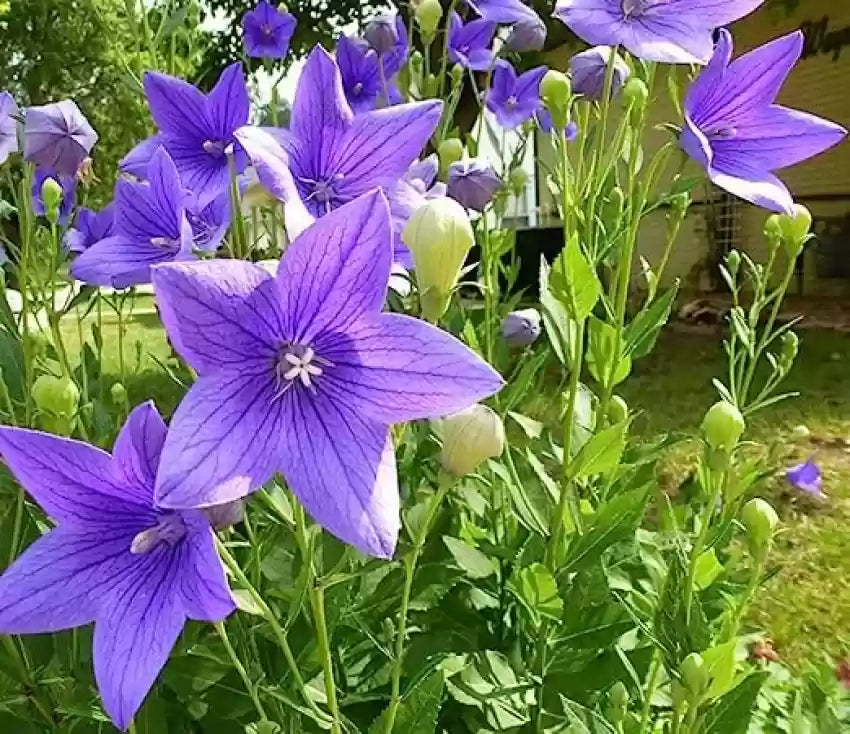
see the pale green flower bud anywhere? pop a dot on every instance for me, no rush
(790, 347)
(733, 262)
(773, 228)
(618, 409)
(449, 151)
(428, 14)
(760, 520)
(51, 196)
(635, 95)
(694, 674)
(618, 698)
(118, 393)
(440, 237)
(470, 437)
(518, 180)
(723, 426)
(282, 9)
(57, 396)
(556, 91)
(795, 229)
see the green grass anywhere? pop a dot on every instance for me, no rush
(805, 608)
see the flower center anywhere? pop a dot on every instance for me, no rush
(298, 363)
(166, 243)
(720, 131)
(633, 8)
(464, 49)
(267, 31)
(323, 190)
(357, 89)
(170, 529)
(216, 148)
(511, 102)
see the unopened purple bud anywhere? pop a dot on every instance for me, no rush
(473, 183)
(382, 34)
(521, 328)
(58, 136)
(226, 515)
(588, 70)
(528, 34)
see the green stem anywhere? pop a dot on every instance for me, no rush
(16, 528)
(240, 669)
(27, 680)
(446, 482)
(654, 672)
(24, 286)
(719, 482)
(277, 630)
(445, 58)
(752, 585)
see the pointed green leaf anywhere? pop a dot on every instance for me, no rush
(574, 281)
(536, 589)
(601, 454)
(732, 713)
(470, 559)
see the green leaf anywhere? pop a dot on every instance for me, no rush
(470, 559)
(574, 281)
(706, 569)
(720, 665)
(601, 454)
(528, 512)
(417, 713)
(536, 589)
(245, 602)
(642, 333)
(560, 328)
(531, 427)
(731, 714)
(600, 356)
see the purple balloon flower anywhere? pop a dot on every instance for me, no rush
(90, 227)
(473, 183)
(303, 374)
(69, 193)
(150, 227)
(418, 185)
(514, 99)
(58, 136)
(114, 558)
(588, 70)
(527, 35)
(544, 120)
(210, 224)
(734, 129)
(503, 11)
(806, 477)
(521, 328)
(672, 31)
(267, 32)
(360, 73)
(333, 156)
(382, 33)
(196, 129)
(470, 43)
(8, 126)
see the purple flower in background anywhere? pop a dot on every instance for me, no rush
(589, 68)
(672, 31)
(473, 183)
(90, 227)
(210, 224)
(361, 75)
(418, 185)
(470, 43)
(69, 193)
(737, 133)
(527, 35)
(521, 328)
(806, 477)
(114, 558)
(544, 120)
(57, 136)
(8, 126)
(150, 227)
(333, 156)
(303, 374)
(382, 34)
(267, 32)
(514, 99)
(503, 11)
(197, 130)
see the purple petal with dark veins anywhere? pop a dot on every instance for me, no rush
(135, 455)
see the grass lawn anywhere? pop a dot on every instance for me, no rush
(805, 608)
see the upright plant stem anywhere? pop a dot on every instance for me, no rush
(410, 562)
(240, 669)
(699, 544)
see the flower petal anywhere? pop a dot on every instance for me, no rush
(135, 455)
(205, 175)
(204, 591)
(177, 108)
(58, 582)
(228, 104)
(120, 262)
(502, 11)
(141, 618)
(71, 481)
(396, 368)
(220, 314)
(224, 441)
(147, 210)
(136, 161)
(337, 271)
(341, 465)
(754, 184)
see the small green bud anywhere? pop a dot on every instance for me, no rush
(796, 226)
(556, 91)
(619, 698)
(118, 393)
(723, 426)
(733, 262)
(790, 347)
(760, 520)
(773, 228)
(470, 437)
(694, 673)
(282, 9)
(679, 204)
(635, 96)
(51, 197)
(518, 180)
(428, 14)
(416, 62)
(58, 396)
(449, 151)
(457, 75)
(36, 342)
(618, 409)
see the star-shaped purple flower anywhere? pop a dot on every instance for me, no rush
(267, 32)
(672, 31)
(57, 136)
(150, 227)
(470, 44)
(8, 126)
(333, 156)
(90, 227)
(303, 374)
(503, 11)
(734, 129)
(69, 193)
(210, 224)
(514, 99)
(114, 558)
(360, 73)
(196, 129)
(806, 477)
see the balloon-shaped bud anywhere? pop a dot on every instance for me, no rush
(521, 328)
(470, 437)
(723, 426)
(56, 395)
(695, 675)
(760, 520)
(449, 151)
(428, 14)
(52, 196)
